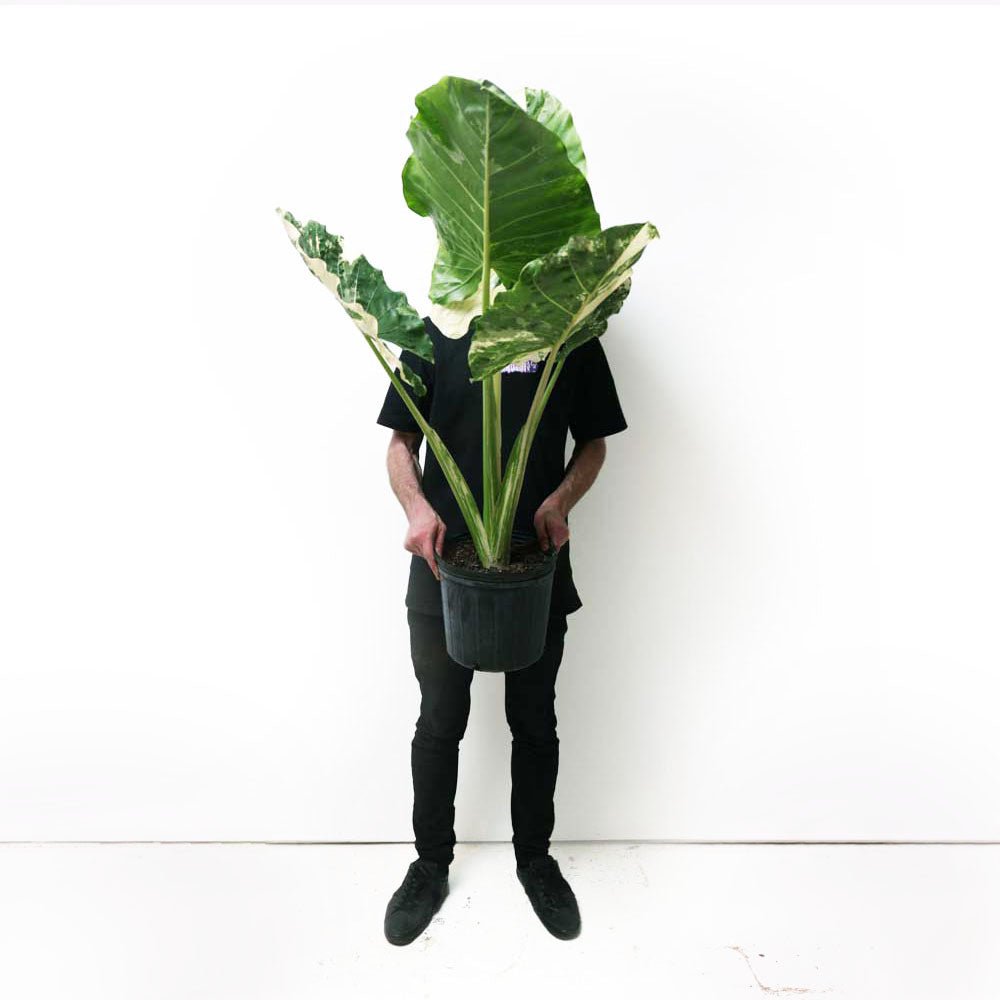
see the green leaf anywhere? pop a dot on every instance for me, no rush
(560, 300)
(500, 187)
(378, 312)
(547, 109)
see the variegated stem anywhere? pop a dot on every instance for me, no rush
(492, 442)
(517, 461)
(453, 474)
(492, 425)
(491, 449)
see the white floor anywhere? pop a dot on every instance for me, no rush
(692, 921)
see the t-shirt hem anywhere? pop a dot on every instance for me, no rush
(399, 425)
(588, 435)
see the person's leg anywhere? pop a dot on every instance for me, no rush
(534, 758)
(444, 713)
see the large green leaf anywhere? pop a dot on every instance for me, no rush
(500, 187)
(560, 300)
(551, 113)
(378, 312)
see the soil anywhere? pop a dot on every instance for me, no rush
(523, 555)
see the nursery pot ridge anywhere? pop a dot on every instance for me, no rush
(495, 619)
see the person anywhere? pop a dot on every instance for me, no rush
(583, 402)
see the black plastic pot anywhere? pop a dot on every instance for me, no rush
(497, 621)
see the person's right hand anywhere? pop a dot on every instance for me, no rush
(425, 535)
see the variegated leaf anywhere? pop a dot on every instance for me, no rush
(547, 109)
(499, 186)
(380, 313)
(453, 318)
(560, 300)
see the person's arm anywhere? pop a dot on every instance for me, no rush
(584, 465)
(425, 530)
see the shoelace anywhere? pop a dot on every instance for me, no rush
(550, 882)
(414, 881)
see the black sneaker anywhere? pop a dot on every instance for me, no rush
(415, 902)
(551, 896)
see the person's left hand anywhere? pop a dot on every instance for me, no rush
(551, 526)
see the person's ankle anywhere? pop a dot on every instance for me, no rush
(523, 860)
(439, 866)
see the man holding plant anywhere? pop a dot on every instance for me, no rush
(506, 366)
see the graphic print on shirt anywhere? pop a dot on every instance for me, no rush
(520, 366)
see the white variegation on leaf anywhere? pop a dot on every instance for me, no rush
(380, 313)
(560, 300)
(384, 315)
(453, 318)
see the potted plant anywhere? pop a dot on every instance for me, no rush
(524, 268)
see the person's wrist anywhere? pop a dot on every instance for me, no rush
(417, 505)
(558, 504)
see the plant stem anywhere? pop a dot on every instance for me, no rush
(453, 474)
(517, 462)
(492, 424)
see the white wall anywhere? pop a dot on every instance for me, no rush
(789, 562)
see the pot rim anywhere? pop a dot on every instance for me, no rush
(495, 577)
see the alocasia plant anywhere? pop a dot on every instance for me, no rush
(520, 251)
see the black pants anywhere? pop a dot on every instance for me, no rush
(444, 712)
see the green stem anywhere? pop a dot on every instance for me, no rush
(457, 482)
(517, 462)
(492, 424)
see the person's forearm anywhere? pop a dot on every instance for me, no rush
(403, 463)
(583, 468)
(426, 532)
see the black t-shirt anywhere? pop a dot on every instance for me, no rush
(583, 401)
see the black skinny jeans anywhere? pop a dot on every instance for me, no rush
(444, 712)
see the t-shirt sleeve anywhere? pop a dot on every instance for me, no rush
(394, 412)
(595, 410)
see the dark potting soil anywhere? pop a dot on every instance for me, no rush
(523, 555)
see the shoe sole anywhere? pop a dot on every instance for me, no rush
(420, 930)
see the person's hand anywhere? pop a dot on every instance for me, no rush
(551, 526)
(425, 535)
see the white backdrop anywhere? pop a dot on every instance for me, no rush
(788, 563)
